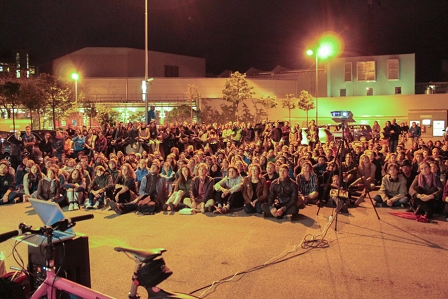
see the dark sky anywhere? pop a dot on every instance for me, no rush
(231, 34)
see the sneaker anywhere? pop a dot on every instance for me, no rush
(171, 207)
(218, 210)
(88, 206)
(96, 205)
(165, 207)
(70, 207)
(75, 206)
(202, 207)
(208, 209)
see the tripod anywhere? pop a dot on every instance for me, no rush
(341, 195)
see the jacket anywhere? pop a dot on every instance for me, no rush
(208, 187)
(46, 190)
(262, 189)
(285, 191)
(161, 190)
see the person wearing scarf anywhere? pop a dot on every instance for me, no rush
(425, 190)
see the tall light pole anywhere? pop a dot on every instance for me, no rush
(75, 77)
(328, 46)
(146, 64)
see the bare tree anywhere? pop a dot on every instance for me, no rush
(289, 103)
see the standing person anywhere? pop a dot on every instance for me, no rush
(237, 134)
(29, 140)
(276, 134)
(313, 134)
(282, 196)
(201, 191)
(58, 145)
(152, 114)
(415, 132)
(376, 129)
(286, 130)
(395, 131)
(16, 142)
(255, 190)
(78, 143)
(100, 143)
(46, 146)
(70, 131)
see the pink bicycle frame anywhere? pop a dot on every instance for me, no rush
(52, 283)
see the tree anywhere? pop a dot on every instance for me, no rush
(181, 113)
(193, 96)
(107, 115)
(9, 92)
(237, 90)
(289, 103)
(306, 102)
(31, 97)
(59, 95)
(268, 102)
(89, 109)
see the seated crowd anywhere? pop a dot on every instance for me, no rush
(263, 169)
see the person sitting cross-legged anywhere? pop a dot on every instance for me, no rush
(153, 185)
(228, 191)
(255, 190)
(201, 191)
(98, 187)
(283, 195)
(393, 188)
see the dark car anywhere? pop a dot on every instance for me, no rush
(357, 131)
(38, 134)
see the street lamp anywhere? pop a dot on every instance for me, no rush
(329, 45)
(146, 63)
(75, 76)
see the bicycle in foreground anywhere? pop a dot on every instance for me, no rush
(149, 271)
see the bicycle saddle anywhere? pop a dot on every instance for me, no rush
(142, 255)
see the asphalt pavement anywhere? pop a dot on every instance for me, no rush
(366, 257)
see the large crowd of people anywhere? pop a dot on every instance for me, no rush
(259, 168)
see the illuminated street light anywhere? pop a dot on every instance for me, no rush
(329, 45)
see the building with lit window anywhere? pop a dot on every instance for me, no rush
(17, 64)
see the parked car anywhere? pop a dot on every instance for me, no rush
(357, 131)
(324, 135)
(38, 134)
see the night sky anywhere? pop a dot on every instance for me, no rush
(231, 34)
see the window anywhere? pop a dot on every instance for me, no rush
(366, 71)
(393, 69)
(171, 71)
(369, 91)
(348, 72)
(17, 73)
(343, 92)
(398, 90)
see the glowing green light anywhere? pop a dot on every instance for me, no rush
(75, 76)
(309, 52)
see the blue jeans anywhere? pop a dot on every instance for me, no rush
(397, 203)
(11, 196)
(99, 199)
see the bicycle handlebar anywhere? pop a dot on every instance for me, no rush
(61, 225)
(9, 235)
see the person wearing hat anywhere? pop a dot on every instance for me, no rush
(393, 188)
(283, 196)
(228, 191)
